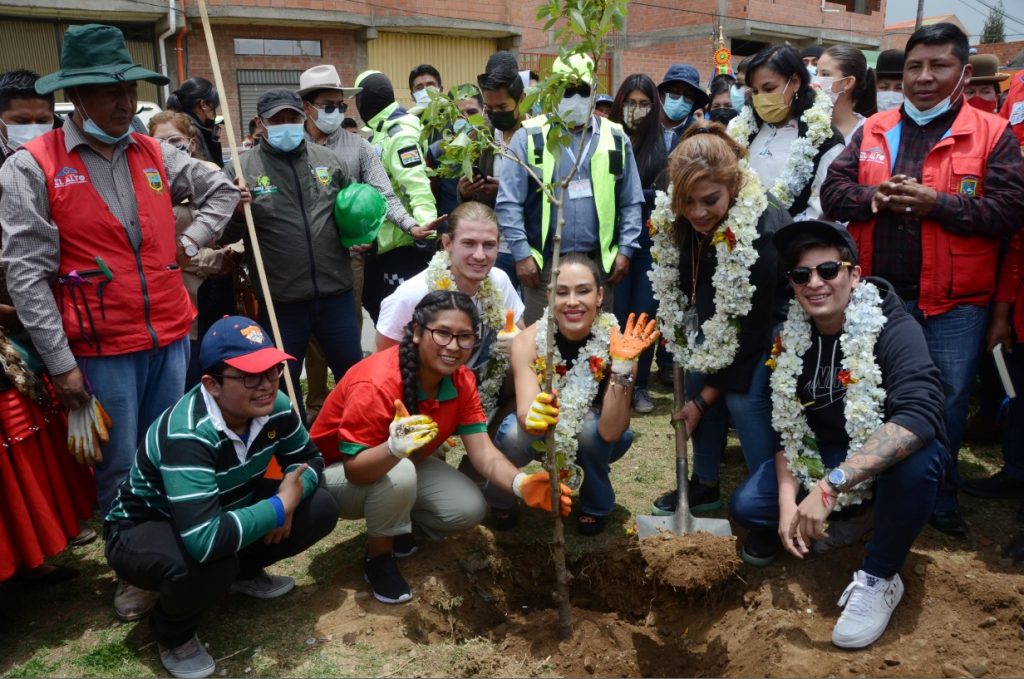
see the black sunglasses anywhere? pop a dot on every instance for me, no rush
(331, 108)
(827, 271)
(582, 90)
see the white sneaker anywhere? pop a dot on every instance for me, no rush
(869, 603)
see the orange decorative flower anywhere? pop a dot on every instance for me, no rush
(846, 378)
(772, 363)
(597, 367)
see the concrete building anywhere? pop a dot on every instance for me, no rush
(267, 43)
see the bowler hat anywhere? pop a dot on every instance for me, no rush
(95, 54)
(890, 63)
(986, 69)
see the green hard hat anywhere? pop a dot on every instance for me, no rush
(359, 212)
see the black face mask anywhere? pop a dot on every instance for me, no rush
(503, 120)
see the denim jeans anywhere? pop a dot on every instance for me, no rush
(954, 341)
(751, 413)
(594, 455)
(635, 294)
(1013, 434)
(135, 389)
(332, 320)
(904, 496)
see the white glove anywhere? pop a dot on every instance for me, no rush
(88, 430)
(503, 342)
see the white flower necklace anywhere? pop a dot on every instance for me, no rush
(491, 303)
(865, 398)
(734, 243)
(800, 164)
(577, 386)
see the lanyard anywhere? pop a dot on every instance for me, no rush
(585, 150)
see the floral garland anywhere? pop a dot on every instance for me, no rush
(860, 374)
(734, 243)
(492, 311)
(800, 165)
(577, 386)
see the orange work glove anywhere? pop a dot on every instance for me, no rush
(535, 490)
(628, 345)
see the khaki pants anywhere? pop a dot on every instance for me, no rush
(438, 498)
(536, 299)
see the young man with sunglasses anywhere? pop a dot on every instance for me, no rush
(196, 518)
(856, 338)
(601, 204)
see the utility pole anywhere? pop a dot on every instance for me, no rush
(920, 14)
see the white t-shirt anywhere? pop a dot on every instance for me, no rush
(396, 309)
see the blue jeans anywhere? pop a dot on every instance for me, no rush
(954, 341)
(332, 320)
(594, 455)
(752, 414)
(904, 496)
(135, 389)
(1013, 434)
(635, 294)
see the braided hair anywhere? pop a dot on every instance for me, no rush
(422, 316)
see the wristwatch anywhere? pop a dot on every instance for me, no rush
(191, 249)
(624, 381)
(836, 478)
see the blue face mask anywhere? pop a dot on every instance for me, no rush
(922, 118)
(737, 97)
(93, 130)
(461, 125)
(813, 70)
(677, 107)
(286, 137)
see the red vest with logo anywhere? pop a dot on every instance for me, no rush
(954, 269)
(144, 304)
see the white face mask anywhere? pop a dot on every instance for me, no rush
(422, 97)
(328, 122)
(17, 135)
(574, 110)
(825, 84)
(887, 101)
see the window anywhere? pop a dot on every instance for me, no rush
(278, 48)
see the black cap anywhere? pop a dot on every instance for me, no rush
(275, 101)
(812, 51)
(814, 232)
(890, 63)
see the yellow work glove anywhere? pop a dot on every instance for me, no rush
(543, 414)
(409, 433)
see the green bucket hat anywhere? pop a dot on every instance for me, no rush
(95, 54)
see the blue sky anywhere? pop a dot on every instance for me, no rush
(972, 14)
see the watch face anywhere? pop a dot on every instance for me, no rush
(836, 477)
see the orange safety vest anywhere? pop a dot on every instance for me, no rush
(955, 269)
(144, 304)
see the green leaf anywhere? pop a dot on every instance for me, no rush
(578, 24)
(813, 465)
(467, 167)
(477, 120)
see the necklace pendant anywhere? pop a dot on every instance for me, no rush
(691, 326)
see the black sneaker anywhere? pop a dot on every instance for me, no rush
(702, 499)
(997, 486)
(405, 545)
(387, 583)
(760, 548)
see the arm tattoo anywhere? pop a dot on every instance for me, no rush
(887, 446)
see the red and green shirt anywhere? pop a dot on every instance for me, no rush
(360, 409)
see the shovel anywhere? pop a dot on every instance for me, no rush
(682, 521)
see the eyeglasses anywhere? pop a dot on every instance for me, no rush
(630, 103)
(253, 380)
(827, 271)
(443, 338)
(331, 108)
(582, 90)
(177, 140)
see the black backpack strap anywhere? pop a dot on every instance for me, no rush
(616, 163)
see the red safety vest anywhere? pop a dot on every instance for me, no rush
(954, 269)
(1014, 97)
(144, 305)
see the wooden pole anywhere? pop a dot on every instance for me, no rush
(229, 127)
(920, 14)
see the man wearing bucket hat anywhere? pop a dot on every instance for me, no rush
(294, 186)
(91, 255)
(929, 191)
(400, 251)
(848, 348)
(889, 80)
(602, 206)
(323, 99)
(982, 92)
(196, 518)
(681, 95)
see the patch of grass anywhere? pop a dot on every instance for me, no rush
(36, 667)
(111, 659)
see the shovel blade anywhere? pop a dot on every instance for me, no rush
(647, 526)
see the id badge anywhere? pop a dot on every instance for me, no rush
(580, 188)
(691, 326)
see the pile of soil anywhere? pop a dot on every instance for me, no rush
(651, 611)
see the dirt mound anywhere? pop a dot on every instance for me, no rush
(694, 562)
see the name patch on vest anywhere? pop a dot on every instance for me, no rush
(323, 175)
(156, 182)
(68, 176)
(872, 155)
(264, 187)
(968, 186)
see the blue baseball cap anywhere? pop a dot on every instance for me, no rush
(241, 343)
(687, 75)
(603, 99)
